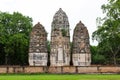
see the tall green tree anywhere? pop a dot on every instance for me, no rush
(108, 32)
(14, 37)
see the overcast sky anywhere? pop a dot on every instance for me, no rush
(43, 11)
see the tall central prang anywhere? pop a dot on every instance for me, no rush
(60, 40)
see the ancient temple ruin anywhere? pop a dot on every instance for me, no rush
(38, 55)
(60, 44)
(81, 48)
(60, 40)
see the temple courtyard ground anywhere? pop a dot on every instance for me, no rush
(59, 77)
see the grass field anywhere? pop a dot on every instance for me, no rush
(59, 77)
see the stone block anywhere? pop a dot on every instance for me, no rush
(87, 69)
(3, 70)
(53, 69)
(109, 69)
(34, 70)
(69, 69)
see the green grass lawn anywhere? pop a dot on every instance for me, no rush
(59, 77)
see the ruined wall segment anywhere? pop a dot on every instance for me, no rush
(38, 55)
(60, 40)
(81, 48)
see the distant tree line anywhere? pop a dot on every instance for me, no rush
(15, 29)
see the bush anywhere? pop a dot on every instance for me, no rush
(99, 59)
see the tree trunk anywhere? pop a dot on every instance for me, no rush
(114, 59)
(6, 59)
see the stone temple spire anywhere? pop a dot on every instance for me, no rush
(38, 55)
(81, 48)
(60, 40)
(60, 21)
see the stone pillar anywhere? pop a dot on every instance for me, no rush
(38, 55)
(81, 48)
(60, 40)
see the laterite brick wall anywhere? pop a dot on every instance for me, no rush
(65, 69)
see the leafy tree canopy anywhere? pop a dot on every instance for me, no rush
(14, 36)
(108, 33)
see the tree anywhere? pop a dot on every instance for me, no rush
(108, 33)
(19, 49)
(97, 57)
(14, 37)
(2, 54)
(93, 50)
